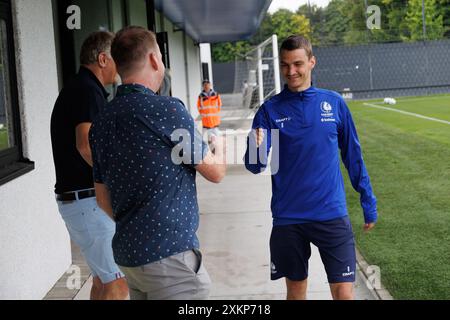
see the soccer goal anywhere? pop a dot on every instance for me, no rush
(257, 74)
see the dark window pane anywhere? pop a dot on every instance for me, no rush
(6, 121)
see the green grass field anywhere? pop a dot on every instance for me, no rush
(3, 139)
(408, 161)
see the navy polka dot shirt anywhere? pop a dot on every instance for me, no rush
(154, 199)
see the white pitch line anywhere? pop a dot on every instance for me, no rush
(421, 99)
(408, 113)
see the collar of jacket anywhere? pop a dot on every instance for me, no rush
(308, 93)
(211, 93)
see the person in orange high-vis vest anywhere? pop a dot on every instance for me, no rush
(209, 105)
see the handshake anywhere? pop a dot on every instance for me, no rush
(218, 145)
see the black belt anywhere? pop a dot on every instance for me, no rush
(72, 196)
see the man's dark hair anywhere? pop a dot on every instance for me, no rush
(95, 44)
(130, 48)
(295, 42)
(205, 81)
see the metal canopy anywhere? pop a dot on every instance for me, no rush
(212, 21)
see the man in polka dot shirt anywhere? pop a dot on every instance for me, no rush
(146, 152)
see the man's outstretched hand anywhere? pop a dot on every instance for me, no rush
(369, 226)
(259, 136)
(218, 145)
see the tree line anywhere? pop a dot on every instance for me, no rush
(343, 22)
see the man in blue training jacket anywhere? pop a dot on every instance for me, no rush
(308, 201)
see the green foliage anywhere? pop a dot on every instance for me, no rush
(444, 7)
(329, 24)
(3, 139)
(225, 52)
(344, 22)
(286, 23)
(336, 23)
(283, 23)
(433, 20)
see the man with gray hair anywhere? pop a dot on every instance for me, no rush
(141, 182)
(89, 227)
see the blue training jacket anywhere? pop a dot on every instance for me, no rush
(307, 184)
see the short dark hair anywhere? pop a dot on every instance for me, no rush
(130, 47)
(95, 44)
(295, 42)
(206, 81)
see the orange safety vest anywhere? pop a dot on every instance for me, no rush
(209, 105)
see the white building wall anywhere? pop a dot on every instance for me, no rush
(34, 244)
(177, 67)
(194, 74)
(205, 57)
(185, 88)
